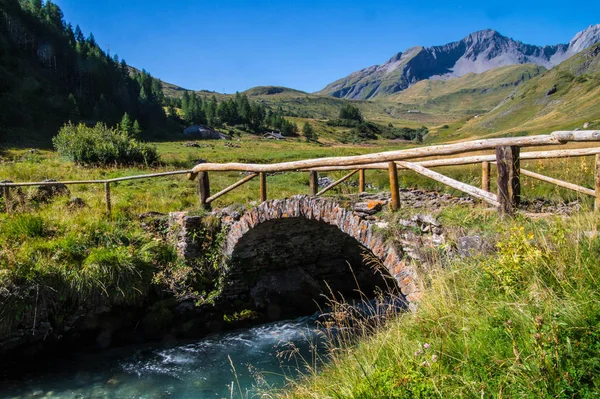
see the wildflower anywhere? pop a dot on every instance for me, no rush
(425, 364)
(434, 358)
(426, 346)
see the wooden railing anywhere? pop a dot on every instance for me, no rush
(507, 159)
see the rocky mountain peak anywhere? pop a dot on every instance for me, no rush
(476, 53)
(483, 35)
(585, 39)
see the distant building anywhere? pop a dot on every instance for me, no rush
(202, 132)
(274, 136)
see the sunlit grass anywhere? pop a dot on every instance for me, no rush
(522, 321)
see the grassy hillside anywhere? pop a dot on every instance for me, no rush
(520, 321)
(470, 94)
(564, 97)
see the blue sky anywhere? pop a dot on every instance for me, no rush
(230, 46)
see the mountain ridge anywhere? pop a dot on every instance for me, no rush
(477, 52)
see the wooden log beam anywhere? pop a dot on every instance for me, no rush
(204, 190)
(7, 202)
(337, 182)
(313, 182)
(263, 187)
(460, 186)
(137, 177)
(485, 176)
(107, 198)
(560, 183)
(580, 152)
(394, 188)
(509, 186)
(597, 184)
(556, 138)
(361, 181)
(230, 188)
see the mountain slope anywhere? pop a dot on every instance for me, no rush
(478, 52)
(471, 94)
(564, 97)
(50, 74)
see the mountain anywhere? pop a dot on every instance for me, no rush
(478, 52)
(51, 74)
(565, 97)
(470, 94)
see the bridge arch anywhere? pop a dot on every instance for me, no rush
(300, 243)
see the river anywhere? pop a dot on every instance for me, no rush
(199, 369)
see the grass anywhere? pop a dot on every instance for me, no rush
(522, 321)
(79, 257)
(470, 94)
(532, 110)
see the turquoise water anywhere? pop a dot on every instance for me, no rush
(262, 356)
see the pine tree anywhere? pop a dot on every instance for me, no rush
(136, 129)
(308, 132)
(172, 112)
(35, 6)
(79, 35)
(126, 126)
(72, 106)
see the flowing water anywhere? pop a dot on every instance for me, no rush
(262, 356)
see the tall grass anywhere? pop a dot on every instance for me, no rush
(521, 322)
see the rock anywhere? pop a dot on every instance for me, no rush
(191, 144)
(202, 132)
(76, 203)
(325, 181)
(424, 220)
(154, 222)
(47, 193)
(470, 246)
(552, 91)
(235, 212)
(368, 208)
(586, 125)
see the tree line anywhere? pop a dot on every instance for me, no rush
(236, 111)
(51, 73)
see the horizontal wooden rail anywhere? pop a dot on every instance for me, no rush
(176, 172)
(118, 179)
(581, 152)
(556, 138)
(391, 160)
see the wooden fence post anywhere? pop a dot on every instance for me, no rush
(263, 186)
(204, 190)
(313, 180)
(361, 181)
(7, 204)
(107, 197)
(393, 172)
(509, 185)
(485, 176)
(597, 184)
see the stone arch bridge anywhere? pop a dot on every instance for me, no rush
(281, 256)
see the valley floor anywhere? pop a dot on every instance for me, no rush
(520, 320)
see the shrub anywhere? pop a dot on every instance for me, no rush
(101, 145)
